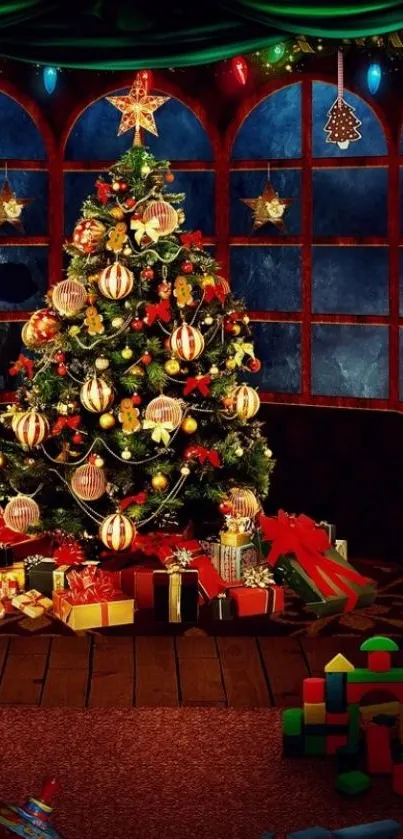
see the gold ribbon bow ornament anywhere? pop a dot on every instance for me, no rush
(260, 577)
(160, 430)
(145, 228)
(240, 350)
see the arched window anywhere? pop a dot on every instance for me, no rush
(25, 143)
(92, 146)
(322, 293)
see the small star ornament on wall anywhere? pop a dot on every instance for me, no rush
(11, 207)
(268, 208)
(138, 108)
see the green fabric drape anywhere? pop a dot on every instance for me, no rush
(127, 35)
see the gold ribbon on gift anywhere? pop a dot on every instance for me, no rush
(174, 593)
(145, 228)
(396, 40)
(258, 577)
(59, 577)
(304, 44)
(160, 430)
(241, 349)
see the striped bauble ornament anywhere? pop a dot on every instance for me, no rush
(69, 297)
(116, 281)
(243, 502)
(21, 513)
(117, 532)
(88, 482)
(245, 401)
(164, 409)
(31, 428)
(96, 395)
(187, 342)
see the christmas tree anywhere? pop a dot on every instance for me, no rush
(132, 411)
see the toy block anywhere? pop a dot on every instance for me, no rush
(354, 693)
(354, 724)
(313, 690)
(379, 643)
(293, 745)
(387, 829)
(326, 730)
(334, 741)
(314, 744)
(384, 719)
(353, 783)
(378, 748)
(310, 833)
(368, 712)
(293, 720)
(336, 693)
(314, 712)
(347, 758)
(364, 676)
(339, 664)
(397, 778)
(337, 719)
(379, 662)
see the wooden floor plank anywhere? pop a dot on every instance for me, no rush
(156, 681)
(199, 672)
(24, 673)
(3, 652)
(285, 669)
(243, 674)
(319, 651)
(112, 681)
(67, 675)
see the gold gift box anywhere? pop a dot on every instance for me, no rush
(234, 540)
(14, 572)
(93, 615)
(32, 603)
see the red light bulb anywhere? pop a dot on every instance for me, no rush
(240, 69)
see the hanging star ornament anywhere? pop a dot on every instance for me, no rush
(138, 108)
(11, 207)
(268, 208)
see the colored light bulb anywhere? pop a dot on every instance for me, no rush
(275, 53)
(49, 79)
(240, 69)
(374, 75)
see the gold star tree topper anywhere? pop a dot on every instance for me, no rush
(138, 108)
(268, 208)
(11, 207)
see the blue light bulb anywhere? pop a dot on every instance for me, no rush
(374, 76)
(49, 79)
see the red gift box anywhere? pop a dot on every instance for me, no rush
(171, 548)
(257, 601)
(23, 545)
(137, 582)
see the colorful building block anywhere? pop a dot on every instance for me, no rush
(323, 728)
(379, 753)
(334, 741)
(337, 719)
(364, 676)
(314, 744)
(314, 712)
(354, 724)
(347, 758)
(336, 693)
(293, 720)
(339, 664)
(379, 651)
(386, 829)
(397, 778)
(293, 745)
(313, 690)
(353, 783)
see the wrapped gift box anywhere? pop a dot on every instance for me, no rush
(222, 608)
(176, 595)
(93, 615)
(341, 548)
(14, 547)
(257, 601)
(32, 603)
(137, 582)
(13, 578)
(329, 529)
(190, 555)
(44, 574)
(230, 562)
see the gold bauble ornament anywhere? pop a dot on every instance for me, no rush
(268, 453)
(246, 319)
(145, 170)
(29, 337)
(172, 367)
(214, 371)
(127, 251)
(236, 329)
(239, 452)
(136, 370)
(62, 408)
(96, 395)
(31, 428)
(189, 425)
(107, 421)
(99, 462)
(74, 330)
(117, 323)
(208, 320)
(3, 460)
(125, 454)
(117, 213)
(127, 353)
(230, 364)
(101, 363)
(93, 278)
(159, 482)
(245, 402)
(185, 471)
(117, 532)
(244, 502)
(207, 280)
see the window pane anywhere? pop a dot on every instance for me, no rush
(267, 278)
(10, 348)
(23, 278)
(19, 136)
(350, 281)
(34, 217)
(180, 134)
(250, 185)
(278, 345)
(272, 129)
(372, 136)
(350, 202)
(350, 361)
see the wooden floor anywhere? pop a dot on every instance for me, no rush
(155, 671)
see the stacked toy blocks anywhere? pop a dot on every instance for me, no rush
(387, 829)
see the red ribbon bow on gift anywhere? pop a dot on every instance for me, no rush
(201, 383)
(158, 311)
(206, 455)
(10, 537)
(69, 553)
(300, 536)
(192, 240)
(22, 363)
(103, 191)
(66, 422)
(92, 586)
(214, 292)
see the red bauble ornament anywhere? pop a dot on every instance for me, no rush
(225, 508)
(60, 357)
(147, 273)
(137, 325)
(169, 177)
(136, 217)
(87, 234)
(146, 358)
(164, 290)
(123, 186)
(130, 203)
(228, 326)
(45, 325)
(254, 365)
(61, 370)
(77, 438)
(187, 266)
(136, 399)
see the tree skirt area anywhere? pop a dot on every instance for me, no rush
(181, 774)
(384, 617)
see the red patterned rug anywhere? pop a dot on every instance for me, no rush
(181, 774)
(384, 617)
